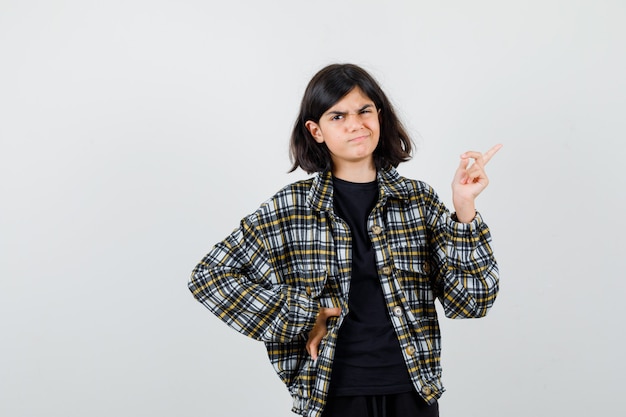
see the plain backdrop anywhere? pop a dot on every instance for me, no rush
(135, 134)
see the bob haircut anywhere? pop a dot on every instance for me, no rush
(325, 89)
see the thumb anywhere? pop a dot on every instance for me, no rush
(460, 176)
(326, 312)
(334, 312)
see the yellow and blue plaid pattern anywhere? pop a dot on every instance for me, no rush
(268, 279)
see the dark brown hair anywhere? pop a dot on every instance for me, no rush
(325, 89)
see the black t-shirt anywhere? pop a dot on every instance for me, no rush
(368, 359)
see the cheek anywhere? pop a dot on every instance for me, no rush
(376, 134)
(375, 128)
(375, 125)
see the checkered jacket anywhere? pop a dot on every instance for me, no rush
(269, 278)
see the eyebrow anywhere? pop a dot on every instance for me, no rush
(336, 112)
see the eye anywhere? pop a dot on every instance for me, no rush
(337, 117)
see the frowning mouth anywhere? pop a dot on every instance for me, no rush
(358, 138)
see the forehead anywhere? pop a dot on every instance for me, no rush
(355, 99)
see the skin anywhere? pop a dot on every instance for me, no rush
(469, 181)
(351, 130)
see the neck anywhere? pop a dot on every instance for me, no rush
(355, 173)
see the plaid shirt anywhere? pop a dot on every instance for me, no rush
(269, 278)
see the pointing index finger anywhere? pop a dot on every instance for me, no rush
(491, 152)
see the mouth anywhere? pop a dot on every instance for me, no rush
(358, 138)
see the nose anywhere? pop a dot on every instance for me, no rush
(354, 121)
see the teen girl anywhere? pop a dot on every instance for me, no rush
(338, 274)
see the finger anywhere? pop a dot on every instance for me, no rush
(479, 156)
(312, 349)
(491, 152)
(476, 171)
(472, 159)
(463, 164)
(460, 174)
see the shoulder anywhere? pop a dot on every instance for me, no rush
(290, 199)
(406, 188)
(418, 186)
(416, 197)
(423, 196)
(291, 195)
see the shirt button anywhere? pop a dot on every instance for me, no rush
(397, 311)
(386, 270)
(426, 390)
(308, 290)
(410, 350)
(376, 229)
(426, 268)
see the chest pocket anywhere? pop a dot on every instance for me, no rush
(414, 275)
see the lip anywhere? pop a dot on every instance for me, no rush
(358, 138)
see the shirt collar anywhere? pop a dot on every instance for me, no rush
(321, 193)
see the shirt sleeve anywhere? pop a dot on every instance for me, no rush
(467, 280)
(237, 283)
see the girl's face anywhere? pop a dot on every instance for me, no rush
(350, 129)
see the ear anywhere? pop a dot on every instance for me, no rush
(315, 131)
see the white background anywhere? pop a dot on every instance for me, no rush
(135, 134)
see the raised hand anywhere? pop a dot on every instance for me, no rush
(469, 181)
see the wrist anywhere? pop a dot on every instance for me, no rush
(464, 218)
(465, 211)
